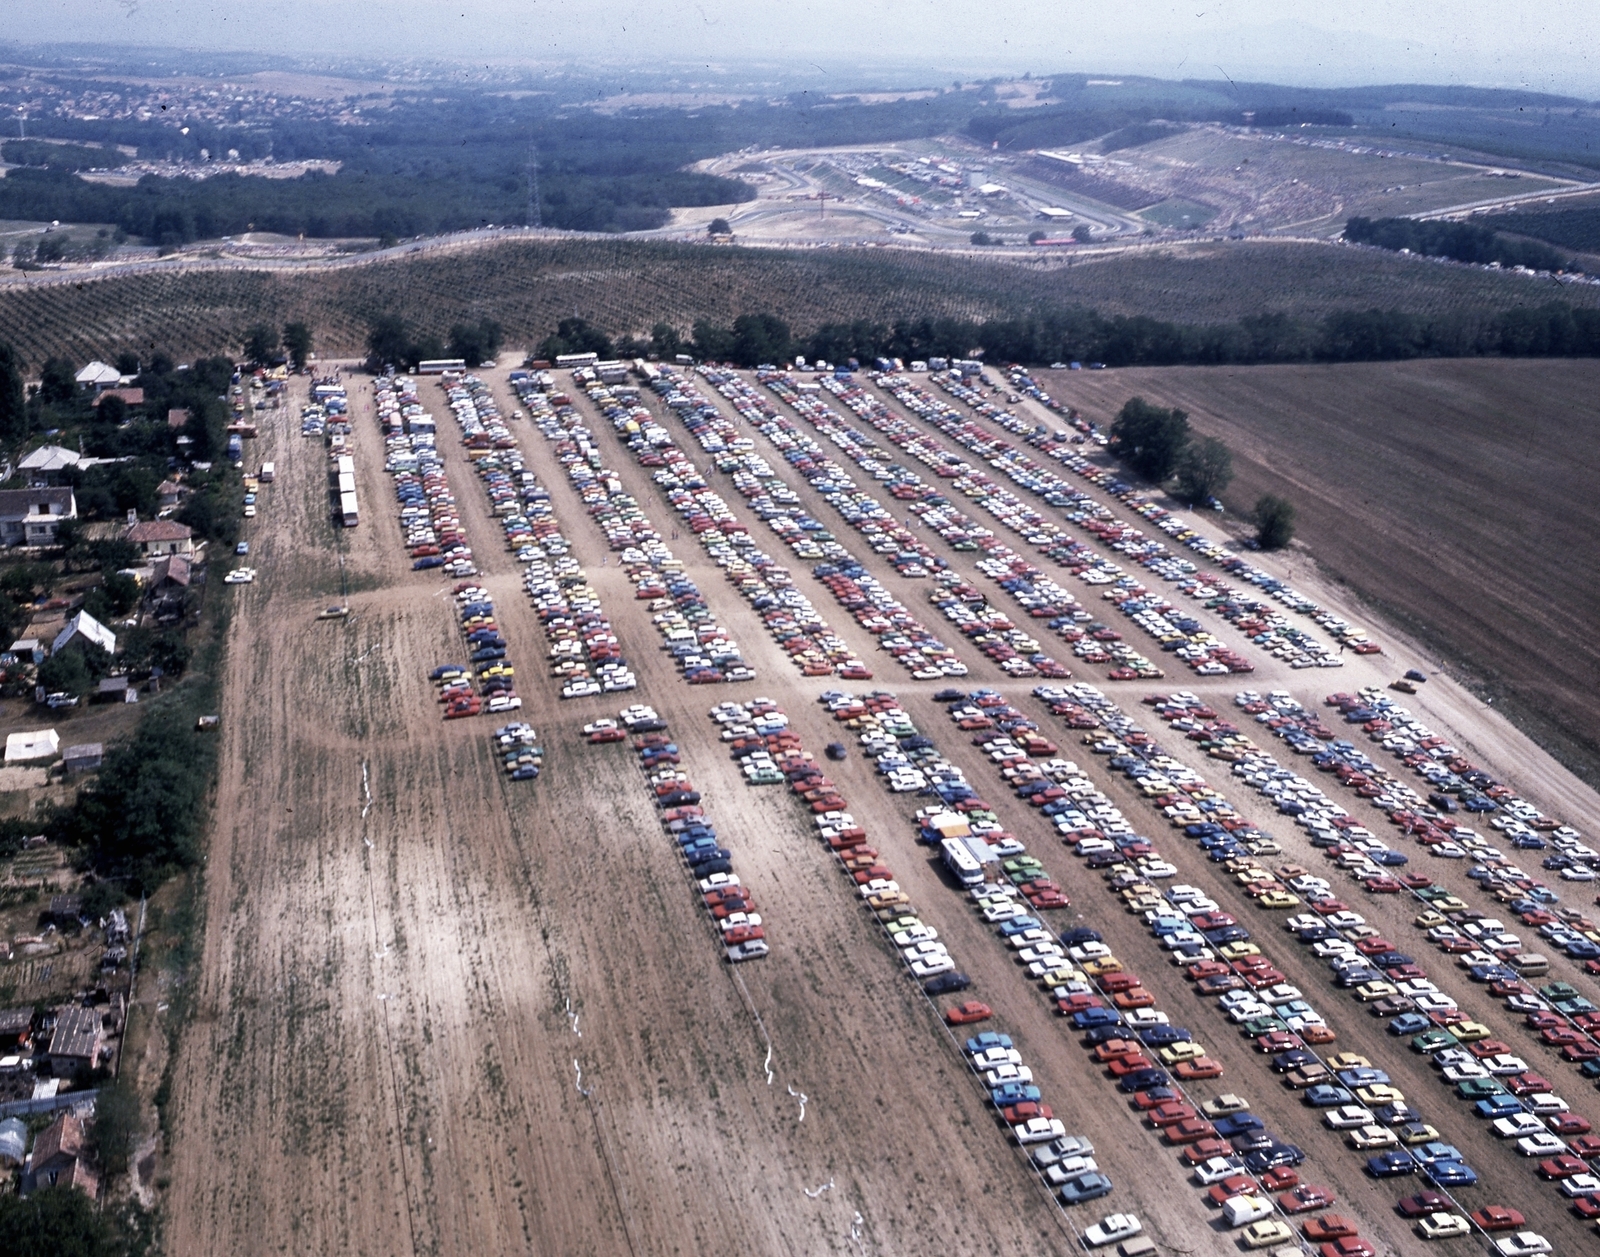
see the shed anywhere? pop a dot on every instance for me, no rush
(131, 396)
(84, 629)
(14, 1024)
(31, 747)
(28, 647)
(83, 758)
(174, 570)
(167, 494)
(108, 690)
(66, 909)
(178, 417)
(75, 1042)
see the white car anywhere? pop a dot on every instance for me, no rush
(1523, 1244)
(1519, 1125)
(1145, 1019)
(718, 881)
(240, 576)
(1545, 1102)
(1580, 1185)
(1217, 1169)
(1039, 1130)
(1118, 1226)
(1349, 1117)
(1371, 1138)
(1002, 1074)
(925, 949)
(993, 1057)
(932, 966)
(914, 934)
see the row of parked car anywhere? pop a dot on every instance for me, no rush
(704, 652)
(428, 515)
(1391, 983)
(786, 613)
(683, 817)
(1065, 447)
(874, 607)
(1177, 631)
(1149, 1058)
(485, 684)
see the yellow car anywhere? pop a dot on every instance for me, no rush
(1060, 977)
(1419, 1133)
(1278, 899)
(1450, 904)
(1104, 965)
(1369, 991)
(499, 670)
(1470, 1031)
(1238, 951)
(888, 899)
(1177, 1053)
(1348, 1060)
(1429, 920)
(1380, 1093)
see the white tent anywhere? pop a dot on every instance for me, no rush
(23, 748)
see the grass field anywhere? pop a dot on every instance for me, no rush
(1457, 496)
(627, 286)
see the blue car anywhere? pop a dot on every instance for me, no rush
(1013, 1093)
(1363, 1077)
(1450, 1174)
(1091, 1017)
(1238, 1124)
(1162, 1036)
(1409, 1023)
(1391, 1164)
(1436, 1150)
(1018, 925)
(1324, 1096)
(988, 1039)
(1264, 1159)
(1087, 1186)
(1143, 1080)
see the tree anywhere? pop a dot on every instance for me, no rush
(1204, 471)
(712, 343)
(575, 336)
(388, 345)
(65, 672)
(475, 342)
(665, 341)
(1149, 439)
(117, 1126)
(58, 382)
(13, 403)
(297, 343)
(111, 411)
(59, 1222)
(261, 344)
(128, 362)
(980, 237)
(22, 256)
(1274, 522)
(719, 227)
(760, 338)
(1035, 236)
(1081, 233)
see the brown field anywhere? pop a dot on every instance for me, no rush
(1457, 496)
(193, 307)
(397, 989)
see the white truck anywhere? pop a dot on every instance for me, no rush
(958, 858)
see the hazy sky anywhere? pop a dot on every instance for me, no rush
(1551, 45)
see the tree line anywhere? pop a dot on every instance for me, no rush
(1461, 242)
(1553, 329)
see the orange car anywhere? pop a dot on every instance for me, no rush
(966, 1014)
(1203, 1067)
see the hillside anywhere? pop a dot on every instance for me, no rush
(627, 286)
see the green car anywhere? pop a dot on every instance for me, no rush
(1479, 1089)
(1262, 1025)
(1431, 1041)
(1559, 990)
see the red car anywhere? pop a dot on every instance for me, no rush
(1568, 1124)
(1169, 1113)
(743, 934)
(1279, 1177)
(1331, 1226)
(1233, 1185)
(1587, 1146)
(1349, 1246)
(1189, 1131)
(1015, 1114)
(966, 1014)
(1202, 1151)
(1527, 1084)
(1144, 1101)
(1497, 1218)
(1423, 1203)
(1587, 1206)
(1200, 1068)
(1305, 1199)
(1563, 1166)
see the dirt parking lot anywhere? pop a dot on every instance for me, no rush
(409, 959)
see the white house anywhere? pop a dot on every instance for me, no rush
(156, 537)
(31, 516)
(83, 627)
(47, 461)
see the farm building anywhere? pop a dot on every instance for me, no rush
(113, 690)
(13, 1142)
(32, 747)
(75, 1042)
(31, 516)
(81, 630)
(14, 1026)
(99, 376)
(47, 464)
(131, 396)
(60, 1158)
(83, 758)
(167, 494)
(157, 537)
(28, 648)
